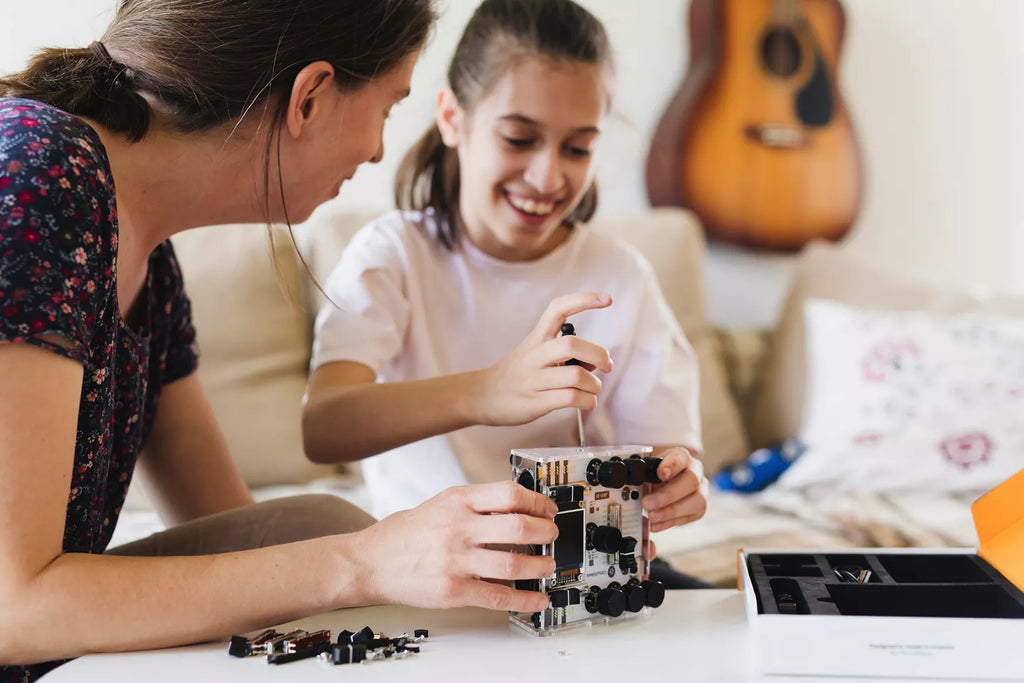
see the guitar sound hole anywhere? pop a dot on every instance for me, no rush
(780, 52)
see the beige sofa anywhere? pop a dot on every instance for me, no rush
(254, 319)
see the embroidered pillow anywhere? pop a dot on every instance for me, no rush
(903, 400)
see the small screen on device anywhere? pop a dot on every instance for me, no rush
(570, 541)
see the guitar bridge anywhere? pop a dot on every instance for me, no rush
(777, 135)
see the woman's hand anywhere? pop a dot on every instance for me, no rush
(533, 380)
(682, 497)
(434, 554)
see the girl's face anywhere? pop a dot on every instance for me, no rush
(526, 153)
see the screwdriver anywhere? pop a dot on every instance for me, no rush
(569, 330)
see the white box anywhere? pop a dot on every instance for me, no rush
(937, 613)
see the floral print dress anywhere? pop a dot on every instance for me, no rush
(58, 281)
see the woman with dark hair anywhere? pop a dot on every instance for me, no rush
(197, 113)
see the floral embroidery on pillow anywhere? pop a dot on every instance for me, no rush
(967, 450)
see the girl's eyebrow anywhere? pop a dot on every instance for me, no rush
(519, 118)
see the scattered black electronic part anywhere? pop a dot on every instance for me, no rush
(363, 635)
(279, 644)
(300, 653)
(316, 638)
(651, 469)
(241, 646)
(348, 653)
(421, 634)
(569, 546)
(654, 592)
(345, 637)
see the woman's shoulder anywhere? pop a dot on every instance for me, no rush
(56, 225)
(35, 129)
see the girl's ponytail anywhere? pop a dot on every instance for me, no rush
(85, 82)
(428, 178)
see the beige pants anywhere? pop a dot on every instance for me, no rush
(272, 522)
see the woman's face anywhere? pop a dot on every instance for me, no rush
(526, 154)
(348, 131)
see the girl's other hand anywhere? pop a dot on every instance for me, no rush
(533, 380)
(435, 556)
(682, 497)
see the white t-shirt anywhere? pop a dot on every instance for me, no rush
(409, 308)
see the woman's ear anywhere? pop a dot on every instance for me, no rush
(309, 90)
(450, 117)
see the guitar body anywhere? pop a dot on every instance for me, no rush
(757, 141)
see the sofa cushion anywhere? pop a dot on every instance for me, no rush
(672, 240)
(254, 343)
(828, 271)
(910, 400)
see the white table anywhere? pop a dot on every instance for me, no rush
(696, 635)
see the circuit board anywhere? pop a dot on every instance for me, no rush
(602, 552)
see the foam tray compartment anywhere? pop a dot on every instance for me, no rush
(903, 585)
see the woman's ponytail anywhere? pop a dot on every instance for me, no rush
(85, 82)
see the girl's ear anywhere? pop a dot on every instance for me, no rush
(450, 117)
(311, 87)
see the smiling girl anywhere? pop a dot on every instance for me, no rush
(443, 351)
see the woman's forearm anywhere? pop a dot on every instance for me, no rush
(85, 603)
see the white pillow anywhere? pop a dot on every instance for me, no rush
(903, 400)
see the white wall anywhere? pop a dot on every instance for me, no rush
(934, 86)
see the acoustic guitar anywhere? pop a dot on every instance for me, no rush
(757, 141)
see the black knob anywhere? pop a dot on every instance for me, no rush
(611, 602)
(612, 474)
(627, 544)
(636, 471)
(636, 598)
(606, 539)
(652, 470)
(655, 593)
(526, 479)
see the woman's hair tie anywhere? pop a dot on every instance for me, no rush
(100, 50)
